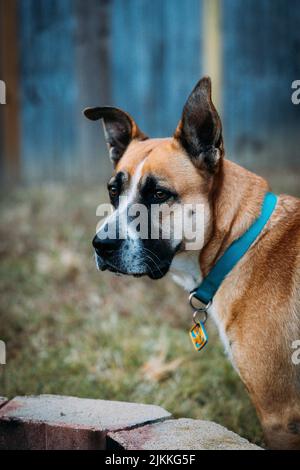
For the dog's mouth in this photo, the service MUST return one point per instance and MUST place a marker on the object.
(152, 270)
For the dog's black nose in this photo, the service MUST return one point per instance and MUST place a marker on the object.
(106, 245)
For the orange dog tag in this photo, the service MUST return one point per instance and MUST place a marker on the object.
(198, 336)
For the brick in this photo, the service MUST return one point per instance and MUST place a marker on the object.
(58, 422)
(179, 434)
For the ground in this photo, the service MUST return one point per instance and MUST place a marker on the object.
(72, 330)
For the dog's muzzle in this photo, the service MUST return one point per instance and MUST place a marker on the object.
(132, 257)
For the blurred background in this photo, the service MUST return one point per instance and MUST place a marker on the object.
(59, 317)
(59, 56)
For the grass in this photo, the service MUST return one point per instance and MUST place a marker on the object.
(72, 330)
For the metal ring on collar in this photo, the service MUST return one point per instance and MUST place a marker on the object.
(198, 308)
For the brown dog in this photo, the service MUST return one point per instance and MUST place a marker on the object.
(257, 307)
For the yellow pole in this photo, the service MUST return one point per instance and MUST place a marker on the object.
(211, 47)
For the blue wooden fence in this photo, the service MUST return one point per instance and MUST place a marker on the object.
(145, 56)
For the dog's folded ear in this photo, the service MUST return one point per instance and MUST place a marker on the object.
(200, 130)
(119, 129)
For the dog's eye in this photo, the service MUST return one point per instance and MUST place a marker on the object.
(161, 195)
(113, 191)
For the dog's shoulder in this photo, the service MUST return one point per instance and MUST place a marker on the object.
(286, 220)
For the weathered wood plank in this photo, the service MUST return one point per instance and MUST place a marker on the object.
(49, 89)
(155, 59)
(9, 113)
(261, 44)
(93, 74)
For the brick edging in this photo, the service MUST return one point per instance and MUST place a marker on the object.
(60, 422)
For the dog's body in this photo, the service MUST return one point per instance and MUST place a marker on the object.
(257, 307)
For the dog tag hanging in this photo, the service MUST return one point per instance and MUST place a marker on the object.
(198, 335)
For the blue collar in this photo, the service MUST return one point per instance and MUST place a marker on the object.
(211, 283)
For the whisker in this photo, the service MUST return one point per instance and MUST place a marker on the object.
(155, 264)
(152, 253)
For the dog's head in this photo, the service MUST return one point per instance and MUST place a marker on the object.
(171, 172)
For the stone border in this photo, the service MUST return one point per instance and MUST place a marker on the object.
(58, 422)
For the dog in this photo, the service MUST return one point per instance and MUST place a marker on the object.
(257, 306)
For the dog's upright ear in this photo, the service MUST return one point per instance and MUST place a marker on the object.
(119, 129)
(200, 130)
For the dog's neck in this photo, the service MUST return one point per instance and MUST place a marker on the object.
(235, 203)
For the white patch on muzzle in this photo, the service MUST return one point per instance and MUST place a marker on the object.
(130, 255)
